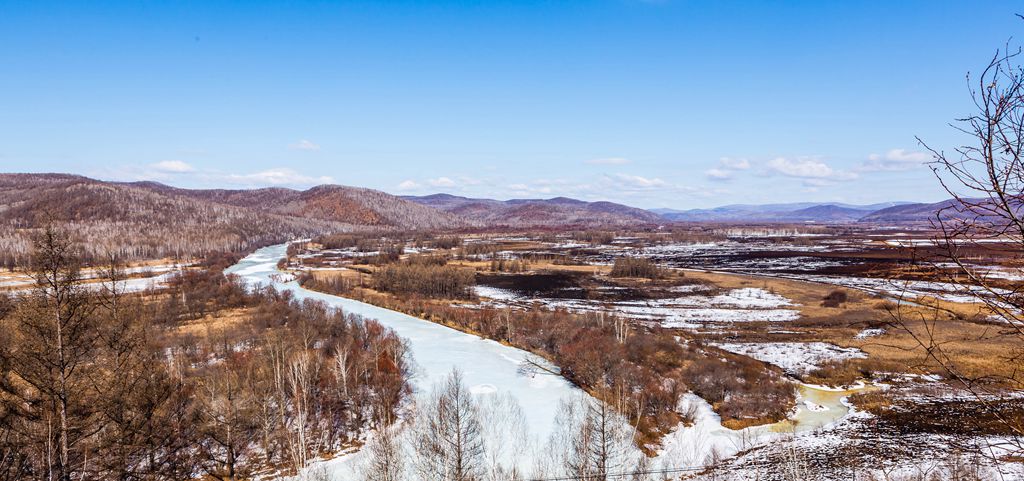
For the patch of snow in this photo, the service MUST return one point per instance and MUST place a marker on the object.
(814, 407)
(794, 357)
(495, 293)
(751, 298)
(870, 332)
(689, 311)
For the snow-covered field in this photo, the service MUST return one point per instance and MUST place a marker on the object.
(794, 357)
(140, 283)
(692, 310)
(148, 276)
(904, 289)
(158, 277)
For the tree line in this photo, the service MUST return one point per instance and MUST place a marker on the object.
(425, 279)
(99, 384)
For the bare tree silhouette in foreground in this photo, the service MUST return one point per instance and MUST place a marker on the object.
(984, 221)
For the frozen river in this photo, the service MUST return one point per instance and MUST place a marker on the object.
(487, 367)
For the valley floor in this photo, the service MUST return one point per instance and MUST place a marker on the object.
(780, 320)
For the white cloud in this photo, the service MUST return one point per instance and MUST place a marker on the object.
(182, 174)
(807, 168)
(811, 170)
(638, 182)
(457, 183)
(604, 187)
(306, 145)
(734, 164)
(609, 161)
(172, 167)
(815, 183)
(277, 177)
(442, 182)
(726, 168)
(718, 174)
(408, 185)
(895, 160)
(804, 167)
(540, 187)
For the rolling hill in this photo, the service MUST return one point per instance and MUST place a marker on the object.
(350, 205)
(558, 211)
(148, 219)
(793, 212)
(983, 210)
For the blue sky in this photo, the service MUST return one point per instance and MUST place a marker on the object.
(652, 103)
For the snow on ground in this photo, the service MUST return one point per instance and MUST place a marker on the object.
(751, 298)
(812, 406)
(794, 357)
(149, 272)
(139, 284)
(134, 284)
(688, 318)
(946, 291)
(870, 332)
(569, 245)
(17, 280)
(688, 311)
(495, 293)
(852, 444)
(689, 288)
(1005, 273)
(706, 440)
(700, 443)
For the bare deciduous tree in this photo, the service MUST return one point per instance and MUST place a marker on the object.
(449, 440)
(593, 442)
(385, 458)
(55, 342)
(985, 219)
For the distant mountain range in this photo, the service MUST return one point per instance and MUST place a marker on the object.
(917, 213)
(794, 212)
(558, 211)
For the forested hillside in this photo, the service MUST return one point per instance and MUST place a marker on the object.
(558, 211)
(353, 205)
(146, 220)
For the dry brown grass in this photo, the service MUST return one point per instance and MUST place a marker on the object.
(974, 347)
(976, 350)
(218, 321)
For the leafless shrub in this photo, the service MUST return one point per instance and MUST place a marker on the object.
(635, 267)
(835, 299)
